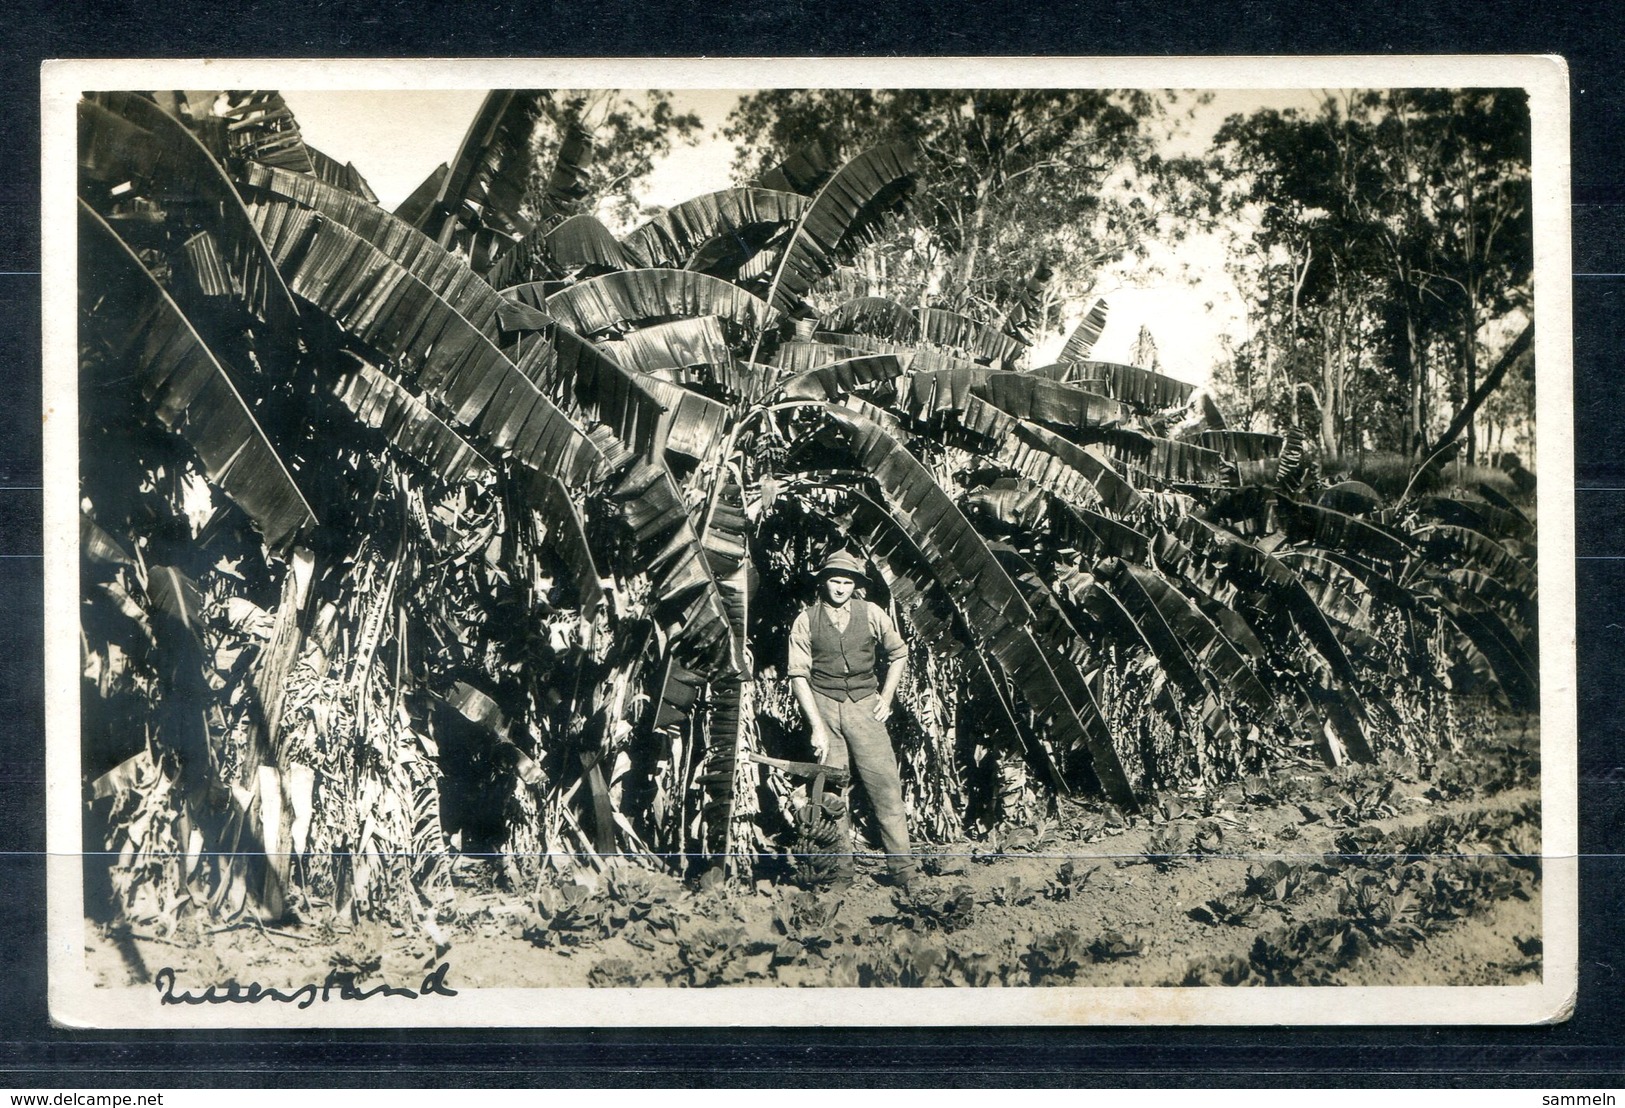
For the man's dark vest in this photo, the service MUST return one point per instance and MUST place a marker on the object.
(843, 663)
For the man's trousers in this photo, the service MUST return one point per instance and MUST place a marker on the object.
(860, 742)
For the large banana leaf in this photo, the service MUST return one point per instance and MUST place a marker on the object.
(638, 297)
(689, 605)
(567, 180)
(567, 535)
(835, 379)
(929, 357)
(799, 357)
(383, 404)
(595, 387)
(976, 340)
(346, 176)
(1443, 543)
(385, 306)
(1515, 668)
(1243, 446)
(1100, 536)
(124, 136)
(487, 179)
(846, 214)
(693, 425)
(806, 169)
(261, 127)
(191, 390)
(746, 217)
(582, 242)
(1039, 401)
(875, 316)
(991, 604)
(1163, 459)
(1333, 530)
(1258, 571)
(414, 210)
(1084, 336)
(1139, 387)
(1059, 465)
(1487, 519)
(447, 275)
(680, 344)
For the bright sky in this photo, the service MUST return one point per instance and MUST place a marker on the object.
(397, 138)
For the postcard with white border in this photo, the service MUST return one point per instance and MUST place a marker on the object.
(907, 541)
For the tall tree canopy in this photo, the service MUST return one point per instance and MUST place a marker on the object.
(1385, 240)
(1011, 181)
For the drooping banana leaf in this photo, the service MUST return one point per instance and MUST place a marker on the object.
(1243, 446)
(875, 316)
(639, 297)
(860, 343)
(835, 379)
(1039, 401)
(191, 390)
(847, 212)
(1162, 459)
(582, 379)
(385, 306)
(1141, 388)
(799, 357)
(929, 357)
(1210, 647)
(978, 341)
(1066, 469)
(582, 242)
(1494, 497)
(1084, 336)
(1101, 536)
(1515, 668)
(447, 275)
(486, 181)
(346, 176)
(1354, 498)
(1018, 506)
(688, 607)
(383, 404)
(746, 217)
(567, 535)
(1476, 589)
(806, 169)
(1268, 574)
(680, 344)
(567, 180)
(414, 210)
(261, 127)
(1446, 544)
(992, 606)
(149, 144)
(1481, 516)
(1324, 527)
(693, 425)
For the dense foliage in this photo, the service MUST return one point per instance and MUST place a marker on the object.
(473, 523)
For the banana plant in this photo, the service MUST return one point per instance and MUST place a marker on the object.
(600, 469)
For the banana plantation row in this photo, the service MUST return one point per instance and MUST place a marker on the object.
(476, 524)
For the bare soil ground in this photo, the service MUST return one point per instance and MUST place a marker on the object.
(1371, 876)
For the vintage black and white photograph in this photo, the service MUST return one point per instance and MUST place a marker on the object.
(1069, 546)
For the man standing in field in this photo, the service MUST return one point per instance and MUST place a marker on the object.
(834, 647)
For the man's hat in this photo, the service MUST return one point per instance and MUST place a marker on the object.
(842, 564)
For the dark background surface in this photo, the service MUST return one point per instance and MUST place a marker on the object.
(1585, 1051)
